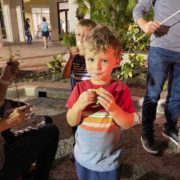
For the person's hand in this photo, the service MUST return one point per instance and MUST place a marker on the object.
(150, 27)
(106, 100)
(81, 48)
(10, 71)
(74, 51)
(86, 98)
(17, 115)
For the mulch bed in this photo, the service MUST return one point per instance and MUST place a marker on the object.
(137, 163)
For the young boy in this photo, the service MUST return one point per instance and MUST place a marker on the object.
(100, 107)
(76, 67)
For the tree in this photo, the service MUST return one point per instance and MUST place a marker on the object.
(115, 13)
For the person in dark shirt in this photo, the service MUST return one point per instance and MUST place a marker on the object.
(27, 32)
(17, 153)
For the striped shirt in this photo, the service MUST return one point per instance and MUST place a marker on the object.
(98, 142)
(78, 70)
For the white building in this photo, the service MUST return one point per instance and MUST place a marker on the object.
(61, 16)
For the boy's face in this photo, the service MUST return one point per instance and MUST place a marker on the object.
(100, 64)
(81, 33)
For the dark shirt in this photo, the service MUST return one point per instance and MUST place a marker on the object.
(26, 26)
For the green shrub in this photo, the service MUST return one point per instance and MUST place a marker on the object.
(132, 71)
(55, 67)
(69, 39)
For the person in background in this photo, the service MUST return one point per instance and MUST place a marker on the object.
(17, 153)
(28, 32)
(100, 107)
(163, 63)
(45, 32)
(1, 37)
(75, 67)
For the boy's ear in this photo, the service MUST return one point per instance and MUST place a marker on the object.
(117, 62)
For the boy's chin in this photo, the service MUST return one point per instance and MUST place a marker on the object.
(99, 78)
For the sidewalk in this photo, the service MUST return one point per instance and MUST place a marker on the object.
(32, 58)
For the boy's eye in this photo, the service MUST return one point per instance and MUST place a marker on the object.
(104, 60)
(90, 59)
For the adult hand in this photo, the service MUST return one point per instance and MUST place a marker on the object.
(150, 27)
(17, 115)
(10, 71)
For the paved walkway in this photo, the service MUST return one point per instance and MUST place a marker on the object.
(32, 58)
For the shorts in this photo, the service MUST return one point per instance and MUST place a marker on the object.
(45, 33)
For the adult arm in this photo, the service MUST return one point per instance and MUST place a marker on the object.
(141, 8)
(15, 117)
(3, 88)
(8, 74)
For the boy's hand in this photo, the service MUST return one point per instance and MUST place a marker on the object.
(74, 51)
(81, 48)
(106, 99)
(86, 98)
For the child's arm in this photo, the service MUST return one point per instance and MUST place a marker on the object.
(122, 118)
(67, 68)
(74, 114)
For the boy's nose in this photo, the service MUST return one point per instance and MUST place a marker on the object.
(81, 38)
(98, 65)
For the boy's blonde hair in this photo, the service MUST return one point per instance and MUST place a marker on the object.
(101, 38)
(87, 23)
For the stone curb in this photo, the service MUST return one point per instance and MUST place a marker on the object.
(63, 93)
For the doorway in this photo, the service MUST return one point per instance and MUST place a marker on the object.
(63, 17)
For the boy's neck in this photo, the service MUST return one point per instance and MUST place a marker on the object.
(100, 82)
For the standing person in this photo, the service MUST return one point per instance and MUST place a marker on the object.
(76, 67)
(1, 37)
(45, 32)
(98, 145)
(17, 153)
(163, 62)
(28, 32)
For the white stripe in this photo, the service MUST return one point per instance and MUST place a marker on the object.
(97, 125)
(97, 115)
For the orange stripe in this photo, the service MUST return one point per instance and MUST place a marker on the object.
(109, 129)
(98, 120)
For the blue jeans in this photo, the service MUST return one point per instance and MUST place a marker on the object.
(29, 37)
(162, 64)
